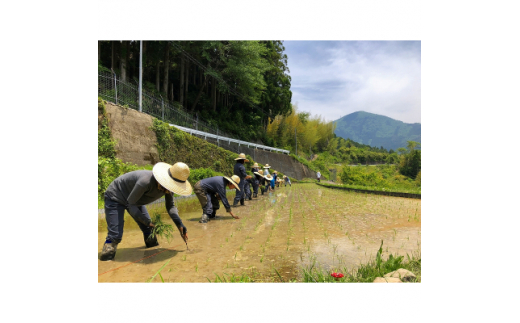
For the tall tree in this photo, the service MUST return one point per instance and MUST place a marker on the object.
(277, 95)
(123, 60)
(166, 68)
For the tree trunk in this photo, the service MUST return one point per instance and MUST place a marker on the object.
(186, 84)
(123, 60)
(181, 78)
(158, 76)
(214, 94)
(113, 58)
(99, 50)
(199, 94)
(166, 69)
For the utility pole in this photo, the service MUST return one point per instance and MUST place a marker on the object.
(141, 76)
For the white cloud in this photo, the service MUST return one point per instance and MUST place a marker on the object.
(333, 79)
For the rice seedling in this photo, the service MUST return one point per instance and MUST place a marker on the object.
(161, 229)
(158, 273)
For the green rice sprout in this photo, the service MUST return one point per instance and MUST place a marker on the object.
(161, 229)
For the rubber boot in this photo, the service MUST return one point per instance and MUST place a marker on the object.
(255, 195)
(204, 218)
(242, 202)
(213, 215)
(151, 242)
(235, 204)
(250, 198)
(109, 251)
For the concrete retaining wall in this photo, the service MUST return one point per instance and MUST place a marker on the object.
(278, 161)
(136, 143)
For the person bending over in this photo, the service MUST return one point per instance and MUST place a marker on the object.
(210, 190)
(132, 191)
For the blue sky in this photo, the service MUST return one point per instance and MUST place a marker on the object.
(335, 78)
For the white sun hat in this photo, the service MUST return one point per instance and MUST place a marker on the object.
(268, 177)
(267, 166)
(234, 180)
(173, 178)
(260, 172)
(242, 156)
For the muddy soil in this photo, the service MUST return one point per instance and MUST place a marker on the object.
(281, 231)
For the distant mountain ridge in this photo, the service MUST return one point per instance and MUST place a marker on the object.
(377, 130)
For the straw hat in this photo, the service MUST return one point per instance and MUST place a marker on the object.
(284, 176)
(259, 173)
(242, 156)
(268, 177)
(234, 180)
(275, 172)
(173, 178)
(256, 165)
(267, 166)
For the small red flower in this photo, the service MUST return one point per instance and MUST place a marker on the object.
(339, 275)
(334, 275)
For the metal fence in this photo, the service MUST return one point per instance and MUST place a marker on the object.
(111, 88)
(229, 140)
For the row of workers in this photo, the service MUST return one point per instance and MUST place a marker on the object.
(133, 190)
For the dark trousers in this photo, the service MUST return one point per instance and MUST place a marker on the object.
(256, 183)
(208, 201)
(240, 193)
(247, 189)
(115, 217)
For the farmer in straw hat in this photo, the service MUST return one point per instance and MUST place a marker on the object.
(261, 180)
(287, 180)
(266, 169)
(255, 181)
(275, 177)
(268, 181)
(210, 190)
(132, 191)
(240, 171)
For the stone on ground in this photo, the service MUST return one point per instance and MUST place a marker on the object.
(403, 274)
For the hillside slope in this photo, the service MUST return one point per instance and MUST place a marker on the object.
(141, 141)
(377, 130)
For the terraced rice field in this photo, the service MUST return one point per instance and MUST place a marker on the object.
(276, 234)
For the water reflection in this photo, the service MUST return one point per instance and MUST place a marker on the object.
(330, 228)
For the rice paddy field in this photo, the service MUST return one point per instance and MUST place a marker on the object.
(277, 236)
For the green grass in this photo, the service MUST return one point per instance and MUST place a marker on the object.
(366, 273)
(379, 178)
(411, 190)
(314, 273)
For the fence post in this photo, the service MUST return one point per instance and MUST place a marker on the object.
(115, 85)
(162, 105)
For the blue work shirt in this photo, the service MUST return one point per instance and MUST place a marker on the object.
(217, 184)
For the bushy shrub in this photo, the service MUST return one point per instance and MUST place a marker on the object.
(110, 169)
(200, 173)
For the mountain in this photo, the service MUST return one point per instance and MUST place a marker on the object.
(376, 130)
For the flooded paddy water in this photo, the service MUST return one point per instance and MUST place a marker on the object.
(277, 232)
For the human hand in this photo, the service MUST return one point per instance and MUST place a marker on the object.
(184, 233)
